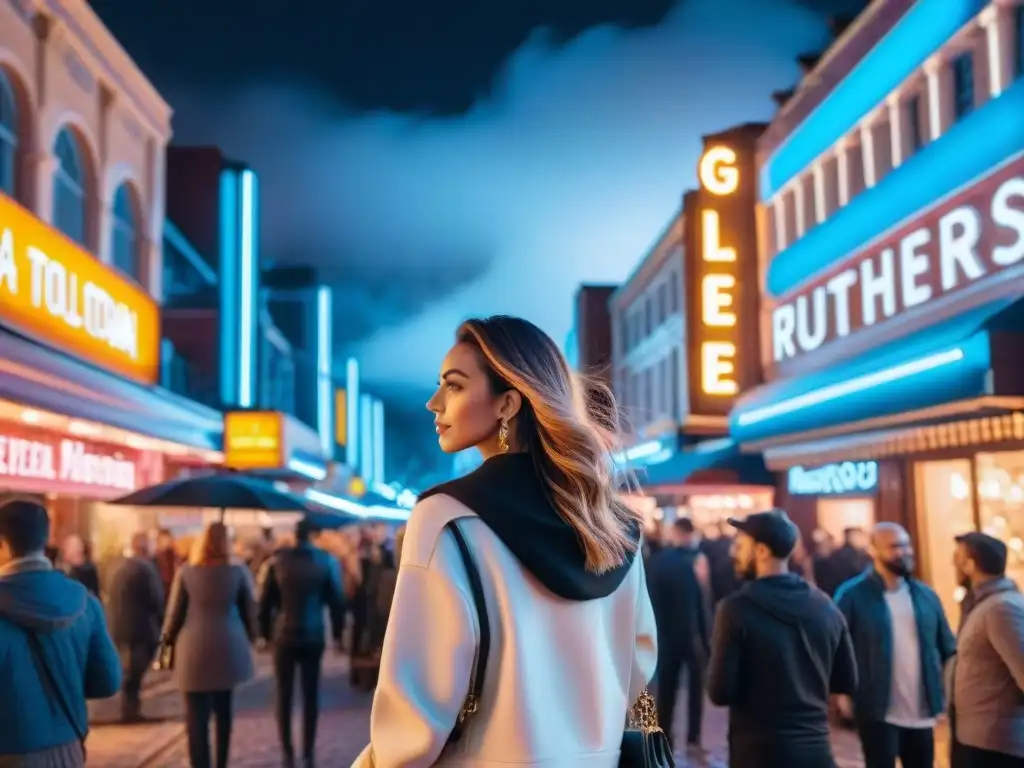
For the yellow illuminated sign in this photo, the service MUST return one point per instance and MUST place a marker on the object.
(718, 175)
(357, 487)
(717, 368)
(717, 299)
(341, 417)
(717, 171)
(254, 440)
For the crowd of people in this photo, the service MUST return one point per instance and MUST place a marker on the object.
(878, 657)
(200, 609)
(531, 614)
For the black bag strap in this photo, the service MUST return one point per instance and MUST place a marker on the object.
(50, 684)
(476, 680)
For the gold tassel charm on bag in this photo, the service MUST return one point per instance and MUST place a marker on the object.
(644, 744)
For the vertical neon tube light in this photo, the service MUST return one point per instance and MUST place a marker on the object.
(352, 401)
(366, 437)
(378, 441)
(247, 287)
(228, 316)
(324, 344)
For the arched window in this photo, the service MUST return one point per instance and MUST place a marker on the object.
(125, 238)
(8, 136)
(69, 203)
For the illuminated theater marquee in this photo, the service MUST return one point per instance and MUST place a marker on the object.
(718, 176)
(949, 250)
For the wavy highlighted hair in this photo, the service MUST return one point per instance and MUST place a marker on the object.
(570, 426)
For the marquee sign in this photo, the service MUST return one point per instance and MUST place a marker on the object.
(38, 461)
(254, 440)
(847, 478)
(721, 273)
(53, 290)
(955, 253)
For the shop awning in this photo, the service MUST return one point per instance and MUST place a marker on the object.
(717, 460)
(45, 379)
(947, 363)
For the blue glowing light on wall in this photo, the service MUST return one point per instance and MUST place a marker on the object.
(352, 417)
(942, 365)
(249, 270)
(229, 280)
(366, 437)
(325, 371)
(378, 441)
(971, 149)
(922, 31)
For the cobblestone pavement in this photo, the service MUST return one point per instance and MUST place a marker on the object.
(344, 731)
(344, 726)
(112, 745)
(715, 732)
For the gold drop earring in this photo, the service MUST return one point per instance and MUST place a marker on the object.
(503, 437)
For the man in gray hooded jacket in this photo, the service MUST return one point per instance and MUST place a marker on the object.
(54, 648)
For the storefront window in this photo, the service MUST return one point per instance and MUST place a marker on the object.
(944, 510)
(1001, 504)
(836, 515)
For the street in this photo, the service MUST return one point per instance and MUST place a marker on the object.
(344, 729)
(344, 726)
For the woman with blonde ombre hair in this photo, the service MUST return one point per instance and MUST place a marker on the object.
(208, 634)
(563, 627)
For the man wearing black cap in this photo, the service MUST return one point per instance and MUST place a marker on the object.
(780, 649)
(988, 677)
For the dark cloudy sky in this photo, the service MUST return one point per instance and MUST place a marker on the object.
(458, 157)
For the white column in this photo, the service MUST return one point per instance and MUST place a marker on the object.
(843, 172)
(938, 76)
(820, 200)
(800, 204)
(867, 153)
(152, 267)
(897, 129)
(782, 237)
(105, 240)
(997, 21)
(44, 166)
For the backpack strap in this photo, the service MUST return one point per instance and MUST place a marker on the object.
(51, 686)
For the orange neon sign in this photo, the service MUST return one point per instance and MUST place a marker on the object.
(56, 292)
(718, 175)
(254, 440)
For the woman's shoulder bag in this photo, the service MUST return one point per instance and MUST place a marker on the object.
(476, 679)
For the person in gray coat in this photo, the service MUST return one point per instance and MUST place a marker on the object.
(988, 676)
(210, 625)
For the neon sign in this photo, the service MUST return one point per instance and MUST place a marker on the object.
(38, 461)
(834, 479)
(720, 176)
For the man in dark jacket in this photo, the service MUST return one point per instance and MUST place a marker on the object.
(295, 586)
(847, 562)
(678, 583)
(136, 612)
(49, 626)
(902, 642)
(780, 648)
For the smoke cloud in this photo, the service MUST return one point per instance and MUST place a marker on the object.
(565, 174)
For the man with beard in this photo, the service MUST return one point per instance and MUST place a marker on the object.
(902, 642)
(780, 648)
(987, 711)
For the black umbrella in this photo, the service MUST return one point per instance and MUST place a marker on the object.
(228, 491)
